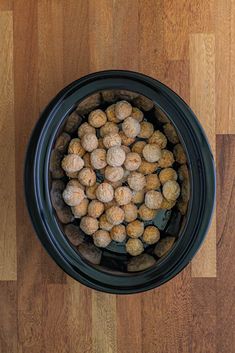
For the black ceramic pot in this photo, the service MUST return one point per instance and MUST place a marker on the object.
(202, 183)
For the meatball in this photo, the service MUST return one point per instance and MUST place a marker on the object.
(87, 177)
(166, 160)
(159, 139)
(118, 233)
(167, 204)
(130, 211)
(115, 156)
(135, 229)
(146, 214)
(109, 128)
(95, 209)
(104, 192)
(138, 147)
(97, 118)
(153, 199)
(131, 127)
(115, 215)
(171, 133)
(100, 143)
(179, 154)
(123, 109)
(89, 142)
(72, 163)
(81, 209)
(114, 174)
(143, 103)
(134, 247)
(146, 130)
(137, 114)
(151, 235)
(72, 123)
(98, 158)
(62, 142)
(102, 238)
(87, 160)
(152, 182)
(91, 191)
(110, 112)
(167, 174)
(111, 140)
(75, 182)
(152, 153)
(126, 141)
(132, 161)
(123, 195)
(147, 167)
(126, 149)
(73, 195)
(84, 129)
(136, 181)
(89, 225)
(75, 147)
(171, 190)
(138, 196)
(104, 224)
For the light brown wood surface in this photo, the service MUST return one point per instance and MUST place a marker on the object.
(46, 44)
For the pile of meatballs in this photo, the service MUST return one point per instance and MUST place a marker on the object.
(119, 175)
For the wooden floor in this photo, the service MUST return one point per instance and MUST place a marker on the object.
(44, 45)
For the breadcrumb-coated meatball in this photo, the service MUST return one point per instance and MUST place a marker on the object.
(73, 175)
(132, 161)
(163, 246)
(146, 214)
(109, 95)
(123, 195)
(136, 181)
(104, 192)
(138, 196)
(72, 163)
(131, 127)
(134, 247)
(138, 147)
(137, 114)
(75, 182)
(167, 174)
(110, 204)
(98, 158)
(183, 172)
(146, 130)
(171, 190)
(182, 206)
(166, 160)
(153, 199)
(109, 128)
(115, 184)
(87, 160)
(62, 142)
(126, 141)
(135, 229)
(91, 191)
(75, 147)
(114, 174)
(118, 233)
(87, 177)
(143, 103)
(167, 204)
(115, 215)
(111, 140)
(89, 142)
(84, 129)
(159, 139)
(152, 182)
(89, 225)
(81, 209)
(147, 167)
(104, 224)
(152, 153)
(161, 117)
(126, 149)
(151, 235)
(72, 123)
(73, 195)
(102, 238)
(110, 112)
(100, 143)
(171, 133)
(179, 154)
(88, 104)
(97, 118)
(123, 109)
(95, 209)
(115, 156)
(140, 263)
(130, 211)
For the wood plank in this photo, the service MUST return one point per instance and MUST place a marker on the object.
(166, 316)
(151, 38)
(8, 250)
(26, 113)
(204, 315)
(225, 338)
(75, 39)
(104, 325)
(225, 66)
(202, 16)
(176, 26)
(129, 323)
(8, 315)
(202, 100)
(177, 77)
(6, 5)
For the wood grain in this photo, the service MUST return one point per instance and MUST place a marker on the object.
(8, 270)
(202, 84)
(225, 338)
